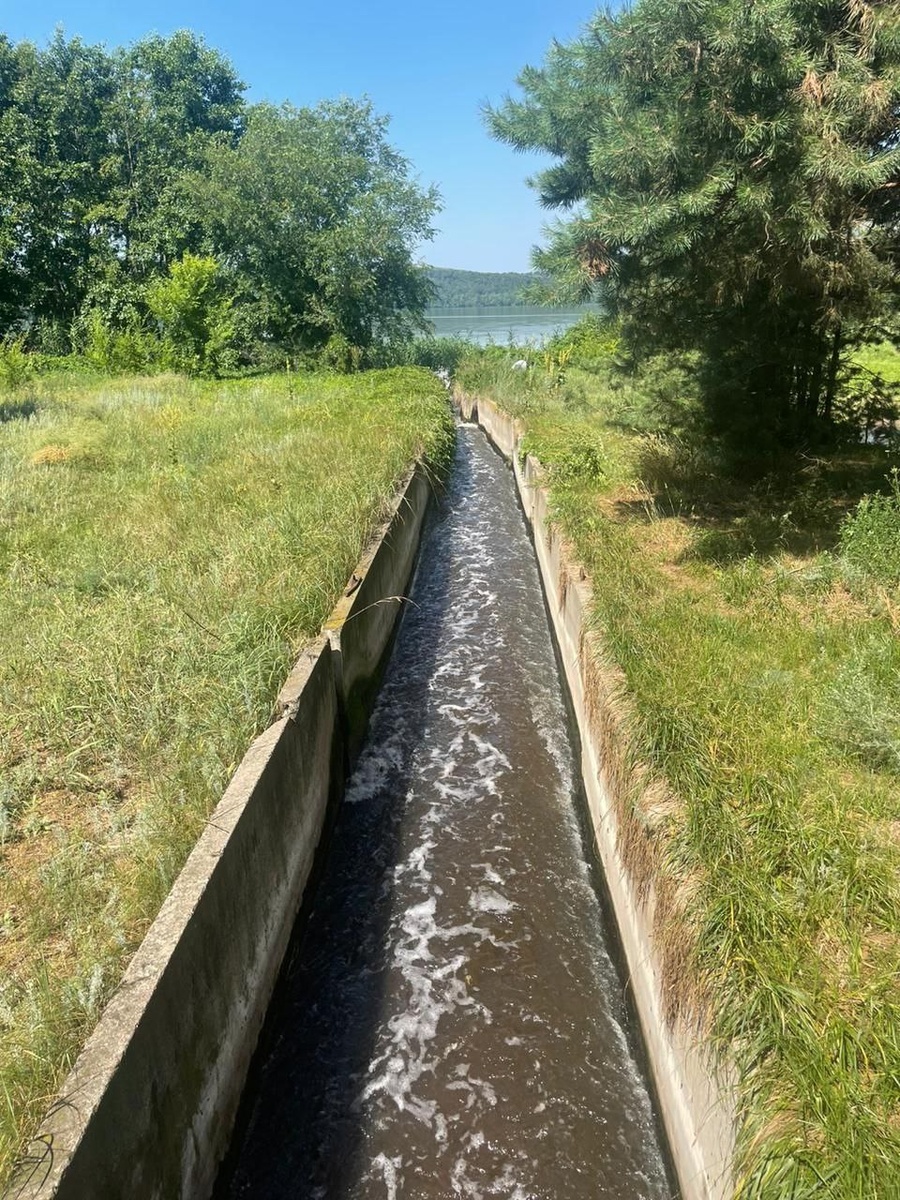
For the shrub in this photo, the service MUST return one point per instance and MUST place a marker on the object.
(870, 536)
(194, 316)
(436, 353)
(119, 351)
(339, 354)
(592, 343)
(16, 367)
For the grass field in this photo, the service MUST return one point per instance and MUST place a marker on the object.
(165, 549)
(754, 629)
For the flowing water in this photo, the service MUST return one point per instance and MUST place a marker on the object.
(451, 1024)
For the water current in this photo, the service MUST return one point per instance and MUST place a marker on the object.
(451, 1022)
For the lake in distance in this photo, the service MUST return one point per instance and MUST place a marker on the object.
(527, 324)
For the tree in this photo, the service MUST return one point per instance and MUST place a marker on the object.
(174, 97)
(316, 217)
(122, 174)
(93, 151)
(731, 168)
(51, 168)
(194, 316)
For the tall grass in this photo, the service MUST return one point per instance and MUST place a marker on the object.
(165, 549)
(755, 627)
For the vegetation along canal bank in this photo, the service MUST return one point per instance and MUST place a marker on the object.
(167, 547)
(722, 457)
(744, 652)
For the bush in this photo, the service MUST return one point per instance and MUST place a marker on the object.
(194, 315)
(119, 351)
(870, 536)
(438, 353)
(16, 367)
(339, 354)
(591, 344)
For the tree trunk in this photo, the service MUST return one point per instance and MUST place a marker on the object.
(815, 387)
(834, 363)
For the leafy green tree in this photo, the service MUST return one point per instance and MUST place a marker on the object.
(94, 149)
(52, 156)
(194, 315)
(317, 216)
(122, 173)
(731, 171)
(173, 97)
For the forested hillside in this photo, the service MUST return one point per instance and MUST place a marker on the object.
(489, 289)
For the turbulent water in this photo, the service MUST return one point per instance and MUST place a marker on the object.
(450, 1023)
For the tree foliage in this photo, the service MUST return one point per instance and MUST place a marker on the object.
(485, 289)
(730, 170)
(314, 214)
(122, 172)
(195, 318)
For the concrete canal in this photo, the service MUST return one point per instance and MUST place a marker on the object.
(450, 1021)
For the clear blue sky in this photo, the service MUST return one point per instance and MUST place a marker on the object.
(429, 66)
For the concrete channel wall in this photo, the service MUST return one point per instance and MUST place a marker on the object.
(696, 1107)
(147, 1111)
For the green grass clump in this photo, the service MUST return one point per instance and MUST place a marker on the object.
(870, 536)
(755, 628)
(166, 547)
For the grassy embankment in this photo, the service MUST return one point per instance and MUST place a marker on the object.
(751, 634)
(165, 549)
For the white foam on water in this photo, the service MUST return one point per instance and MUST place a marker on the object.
(506, 1184)
(436, 986)
(487, 900)
(462, 767)
(491, 875)
(389, 1168)
(417, 862)
(486, 1090)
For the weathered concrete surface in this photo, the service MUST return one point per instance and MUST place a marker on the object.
(697, 1110)
(504, 431)
(362, 624)
(147, 1111)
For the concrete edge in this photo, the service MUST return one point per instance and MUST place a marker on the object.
(696, 1101)
(148, 1108)
(362, 624)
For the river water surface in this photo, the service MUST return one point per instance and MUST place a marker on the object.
(450, 1023)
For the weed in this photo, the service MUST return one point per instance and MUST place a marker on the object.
(862, 708)
(870, 537)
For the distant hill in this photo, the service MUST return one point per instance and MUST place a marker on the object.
(485, 289)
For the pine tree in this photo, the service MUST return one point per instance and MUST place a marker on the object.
(733, 170)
